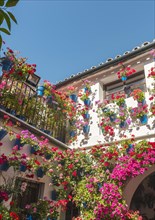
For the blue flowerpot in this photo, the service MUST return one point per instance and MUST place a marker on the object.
(130, 147)
(122, 124)
(48, 156)
(6, 64)
(34, 149)
(72, 133)
(84, 204)
(73, 97)
(86, 116)
(18, 143)
(49, 100)
(3, 133)
(22, 168)
(112, 117)
(99, 185)
(143, 102)
(39, 172)
(40, 90)
(29, 217)
(87, 102)
(124, 78)
(87, 90)
(4, 166)
(144, 119)
(123, 105)
(86, 129)
(54, 195)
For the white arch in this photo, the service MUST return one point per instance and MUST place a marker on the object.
(133, 183)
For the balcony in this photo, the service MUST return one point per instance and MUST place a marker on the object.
(20, 99)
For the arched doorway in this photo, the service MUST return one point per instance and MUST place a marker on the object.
(144, 198)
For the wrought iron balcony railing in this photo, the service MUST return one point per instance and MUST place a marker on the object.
(21, 100)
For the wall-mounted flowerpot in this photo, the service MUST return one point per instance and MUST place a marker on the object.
(99, 185)
(72, 133)
(54, 195)
(34, 149)
(130, 147)
(143, 102)
(122, 124)
(29, 217)
(48, 156)
(87, 102)
(87, 90)
(123, 78)
(144, 119)
(3, 133)
(23, 118)
(22, 167)
(40, 173)
(86, 129)
(85, 205)
(73, 97)
(49, 101)
(4, 166)
(18, 143)
(122, 105)
(112, 117)
(40, 91)
(6, 64)
(86, 115)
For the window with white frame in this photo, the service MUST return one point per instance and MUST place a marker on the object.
(135, 81)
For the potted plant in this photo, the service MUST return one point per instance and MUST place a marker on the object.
(138, 95)
(119, 99)
(140, 112)
(124, 72)
(4, 163)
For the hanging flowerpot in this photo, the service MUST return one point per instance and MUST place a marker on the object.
(86, 115)
(85, 205)
(3, 133)
(54, 195)
(144, 119)
(86, 129)
(123, 78)
(112, 117)
(4, 166)
(18, 143)
(40, 90)
(87, 102)
(22, 167)
(34, 149)
(6, 64)
(122, 124)
(72, 133)
(40, 173)
(73, 97)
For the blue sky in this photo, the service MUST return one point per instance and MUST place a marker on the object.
(67, 37)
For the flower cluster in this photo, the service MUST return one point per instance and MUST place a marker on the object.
(125, 71)
(138, 95)
(19, 69)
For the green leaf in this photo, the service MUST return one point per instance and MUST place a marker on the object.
(7, 18)
(11, 3)
(4, 30)
(1, 17)
(1, 2)
(0, 42)
(12, 17)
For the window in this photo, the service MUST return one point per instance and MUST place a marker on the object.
(135, 81)
(31, 194)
